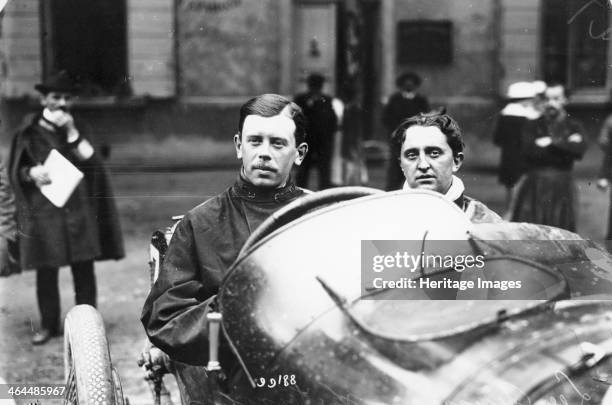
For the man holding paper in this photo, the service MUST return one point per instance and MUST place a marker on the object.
(65, 211)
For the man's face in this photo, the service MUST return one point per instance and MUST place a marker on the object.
(427, 159)
(268, 150)
(555, 100)
(408, 85)
(56, 101)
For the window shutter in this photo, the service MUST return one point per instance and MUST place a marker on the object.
(21, 65)
(151, 55)
(520, 34)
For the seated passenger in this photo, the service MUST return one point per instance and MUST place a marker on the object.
(431, 152)
(270, 140)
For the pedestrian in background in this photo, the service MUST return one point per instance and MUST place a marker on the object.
(508, 132)
(321, 128)
(404, 103)
(551, 145)
(348, 164)
(85, 228)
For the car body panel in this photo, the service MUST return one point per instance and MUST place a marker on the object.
(281, 320)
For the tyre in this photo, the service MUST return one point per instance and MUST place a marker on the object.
(90, 377)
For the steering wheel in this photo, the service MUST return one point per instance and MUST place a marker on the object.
(302, 206)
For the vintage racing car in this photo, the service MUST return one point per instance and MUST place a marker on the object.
(299, 311)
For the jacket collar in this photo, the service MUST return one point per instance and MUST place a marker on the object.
(242, 188)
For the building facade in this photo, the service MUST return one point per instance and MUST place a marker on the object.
(184, 66)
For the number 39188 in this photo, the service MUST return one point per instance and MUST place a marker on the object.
(281, 380)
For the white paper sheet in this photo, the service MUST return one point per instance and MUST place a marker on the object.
(65, 177)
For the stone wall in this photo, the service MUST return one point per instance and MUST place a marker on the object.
(475, 46)
(228, 48)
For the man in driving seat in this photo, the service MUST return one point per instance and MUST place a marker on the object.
(431, 152)
(270, 140)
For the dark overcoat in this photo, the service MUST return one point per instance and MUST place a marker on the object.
(85, 228)
(508, 136)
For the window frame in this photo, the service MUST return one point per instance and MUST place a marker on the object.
(581, 95)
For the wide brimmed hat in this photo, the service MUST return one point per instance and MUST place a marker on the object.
(521, 90)
(60, 82)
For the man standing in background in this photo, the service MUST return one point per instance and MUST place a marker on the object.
(322, 124)
(551, 144)
(404, 103)
(84, 229)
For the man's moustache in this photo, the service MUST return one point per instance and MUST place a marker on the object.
(268, 168)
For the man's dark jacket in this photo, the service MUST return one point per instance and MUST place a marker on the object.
(203, 247)
(322, 124)
(86, 228)
(561, 153)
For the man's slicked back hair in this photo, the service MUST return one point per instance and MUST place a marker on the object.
(444, 122)
(269, 105)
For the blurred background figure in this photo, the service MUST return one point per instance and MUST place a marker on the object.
(605, 174)
(348, 163)
(85, 228)
(507, 134)
(404, 103)
(551, 144)
(320, 131)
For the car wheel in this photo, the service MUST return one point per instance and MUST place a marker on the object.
(90, 377)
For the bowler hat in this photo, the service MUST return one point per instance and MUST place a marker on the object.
(315, 80)
(59, 82)
(415, 78)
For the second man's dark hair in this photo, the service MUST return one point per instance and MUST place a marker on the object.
(269, 105)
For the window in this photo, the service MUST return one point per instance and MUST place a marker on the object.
(575, 42)
(425, 42)
(87, 39)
